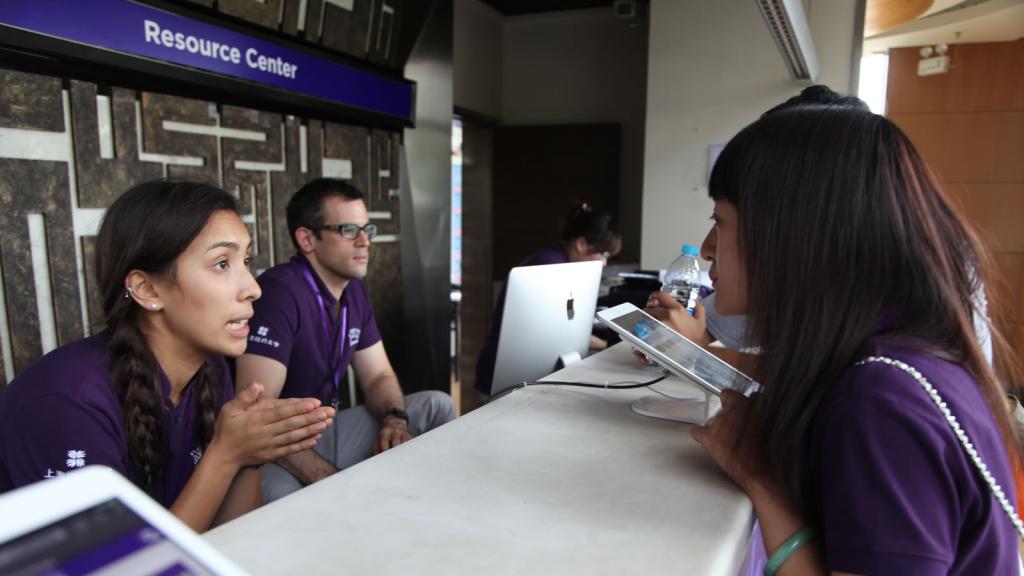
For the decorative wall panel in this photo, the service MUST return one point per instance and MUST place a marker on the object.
(69, 148)
(38, 262)
(365, 29)
(105, 169)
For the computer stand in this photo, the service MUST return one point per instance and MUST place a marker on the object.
(694, 410)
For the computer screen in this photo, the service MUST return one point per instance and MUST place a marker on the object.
(94, 521)
(107, 538)
(679, 355)
(549, 312)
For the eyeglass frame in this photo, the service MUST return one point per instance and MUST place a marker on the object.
(339, 228)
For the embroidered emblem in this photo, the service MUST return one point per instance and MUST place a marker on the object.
(353, 336)
(260, 337)
(76, 459)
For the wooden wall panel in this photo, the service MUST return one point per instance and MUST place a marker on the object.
(987, 77)
(998, 205)
(971, 146)
(1005, 290)
(969, 126)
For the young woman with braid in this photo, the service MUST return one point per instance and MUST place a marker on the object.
(151, 396)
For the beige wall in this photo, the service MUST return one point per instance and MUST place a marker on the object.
(712, 69)
(576, 67)
(969, 126)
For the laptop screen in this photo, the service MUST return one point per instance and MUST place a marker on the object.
(108, 539)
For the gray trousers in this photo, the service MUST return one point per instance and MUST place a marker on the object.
(349, 439)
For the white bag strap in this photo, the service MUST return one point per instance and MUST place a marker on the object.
(960, 434)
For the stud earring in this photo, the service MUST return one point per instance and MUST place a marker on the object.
(127, 292)
(153, 306)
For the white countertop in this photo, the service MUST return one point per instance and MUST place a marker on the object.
(546, 480)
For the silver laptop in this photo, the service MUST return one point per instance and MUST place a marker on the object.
(548, 317)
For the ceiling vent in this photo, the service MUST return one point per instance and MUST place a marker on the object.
(788, 25)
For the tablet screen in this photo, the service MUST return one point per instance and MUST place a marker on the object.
(696, 363)
(108, 538)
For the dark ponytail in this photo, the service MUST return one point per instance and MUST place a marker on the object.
(146, 229)
(598, 228)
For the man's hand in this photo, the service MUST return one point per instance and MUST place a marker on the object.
(393, 431)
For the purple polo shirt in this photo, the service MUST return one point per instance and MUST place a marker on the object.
(288, 325)
(61, 413)
(896, 492)
(554, 254)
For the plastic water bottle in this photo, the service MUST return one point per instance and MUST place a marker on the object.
(682, 279)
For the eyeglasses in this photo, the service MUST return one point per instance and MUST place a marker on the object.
(349, 231)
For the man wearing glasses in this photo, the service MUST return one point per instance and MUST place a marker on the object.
(314, 320)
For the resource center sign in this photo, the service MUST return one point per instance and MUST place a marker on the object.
(140, 30)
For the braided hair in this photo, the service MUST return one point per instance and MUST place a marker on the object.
(146, 229)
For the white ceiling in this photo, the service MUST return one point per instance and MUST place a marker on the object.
(987, 21)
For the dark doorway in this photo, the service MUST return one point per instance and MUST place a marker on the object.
(540, 173)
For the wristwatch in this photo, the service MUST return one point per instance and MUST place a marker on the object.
(397, 413)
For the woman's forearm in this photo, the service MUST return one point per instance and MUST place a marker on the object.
(779, 521)
(244, 495)
(205, 491)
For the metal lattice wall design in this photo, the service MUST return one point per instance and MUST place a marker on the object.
(365, 29)
(69, 148)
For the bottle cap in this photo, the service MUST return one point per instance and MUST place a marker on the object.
(691, 250)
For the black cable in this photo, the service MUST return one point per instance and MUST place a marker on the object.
(625, 385)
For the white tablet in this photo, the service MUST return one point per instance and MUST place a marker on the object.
(94, 521)
(674, 351)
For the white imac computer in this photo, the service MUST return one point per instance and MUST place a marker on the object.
(548, 317)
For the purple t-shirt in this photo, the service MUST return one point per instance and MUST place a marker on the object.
(290, 325)
(62, 413)
(554, 254)
(896, 492)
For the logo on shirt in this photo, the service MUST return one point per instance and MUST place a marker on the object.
(196, 455)
(260, 337)
(72, 459)
(51, 473)
(353, 336)
(76, 459)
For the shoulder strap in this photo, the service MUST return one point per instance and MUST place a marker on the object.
(961, 435)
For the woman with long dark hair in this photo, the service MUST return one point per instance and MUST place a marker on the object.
(856, 277)
(151, 396)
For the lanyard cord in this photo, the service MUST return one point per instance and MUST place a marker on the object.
(333, 361)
